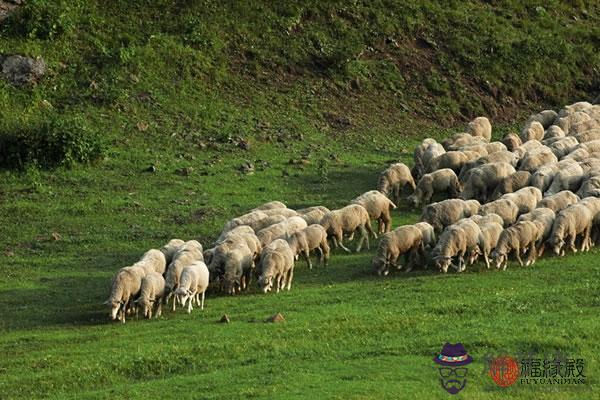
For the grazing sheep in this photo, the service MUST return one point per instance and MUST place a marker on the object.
(432, 151)
(286, 212)
(532, 131)
(152, 261)
(526, 198)
(460, 140)
(488, 238)
(269, 206)
(125, 288)
(544, 218)
(240, 230)
(590, 164)
(482, 181)
(512, 141)
(276, 266)
(584, 126)
(484, 219)
(592, 146)
(448, 212)
(559, 201)
(348, 220)
(593, 204)
(406, 239)
(535, 158)
(574, 108)
(238, 265)
(577, 155)
(472, 233)
(395, 178)
(546, 118)
(590, 186)
(429, 238)
(379, 208)
(277, 231)
(567, 121)
(566, 178)
(189, 253)
(574, 220)
(313, 237)
(251, 219)
(542, 178)
(313, 215)
(451, 159)
(495, 147)
(480, 149)
(554, 131)
(443, 180)
(512, 183)
(171, 248)
(519, 239)
(563, 146)
(152, 292)
(267, 222)
(480, 126)
(193, 285)
(588, 136)
(506, 209)
(452, 243)
(499, 156)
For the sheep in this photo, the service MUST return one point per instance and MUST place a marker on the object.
(590, 164)
(420, 151)
(452, 243)
(482, 181)
(276, 266)
(193, 285)
(189, 253)
(535, 158)
(313, 215)
(573, 108)
(592, 146)
(506, 209)
(480, 126)
(429, 238)
(480, 149)
(567, 121)
(484, 219)
(488, 238)
(451, 159)
(269, 206)
(584, 126)
(171, 248)
(590, 186)
(593, 204)
(512, 183)
(251, 219)
(519, 239)
(448, 212)
(563, 146)
(395, 178)
(588, 136)
(406, 239)
(546, 118)
(313, 237)
(240, 230)
(500, 156)
(152, 261)
(152, 291)
(526, 198)
(542, 178)
(574, 220)
(348, 220)
(567, 178)
(285, 228)
(577, 155)
(554, 131)
(533, 130)
(286, 212)
(238, 265)
(379, 208)
(543, 217)
(472, 233)
(559, 201)
(460, 140)
(512, 141)
(125, 288)
(242, 236)
(432, 151)
(495, 147)
(443, 180)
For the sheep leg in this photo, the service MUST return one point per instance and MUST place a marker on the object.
(158, 309)
(572, 238)
(289, 278)
(189, 307)
(363, 237)
(306, 255)
(325, 249)
(370, 230)
(340, 237)
(202, 300)
(518, 255)
(486, 259)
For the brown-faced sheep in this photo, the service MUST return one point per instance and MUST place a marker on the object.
(482, 181)
(313, 237)
(480, 126)
(512, 141)
(406, 239)
(532, 131)
(125, 288)
(276, 266)
(572, 221)
(559, 201)
(151, 296)
(443, 180)
(394, 179)
(535, 158)
(348, 220)
(526, 198)
(193, 285)
(379, 208)
(512, 183)
(519, 238)
(544, 218)
(506, 209)
(566, 178)
(448, 212)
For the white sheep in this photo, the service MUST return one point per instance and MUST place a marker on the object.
(189, 253)
(269, 206)
(193, 284)
(407, 240)
(559, 201)
(574, 220)
(171, 248)
(152, 261)
(526, 198)
(480, 126)
(313, 237)
(125, 288)
(313, 215)
(280, 230)
(394, 179)
(151, 294)
(379, 208)
(348, 220)
(276, 266)
(443, 180)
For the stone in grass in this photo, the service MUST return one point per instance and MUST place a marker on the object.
(224, 319)
(247, 168)
(20, 70)
(276, 318)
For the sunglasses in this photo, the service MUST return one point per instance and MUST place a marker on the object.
(447, 372)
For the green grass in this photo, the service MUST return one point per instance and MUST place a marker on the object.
(348, 86)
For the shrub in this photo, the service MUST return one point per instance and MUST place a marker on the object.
(49, 141)
(44, 19)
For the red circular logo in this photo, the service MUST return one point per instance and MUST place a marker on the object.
(504, 371)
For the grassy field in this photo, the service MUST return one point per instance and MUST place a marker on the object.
(325, 95)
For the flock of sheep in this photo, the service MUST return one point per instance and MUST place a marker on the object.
(515, 196)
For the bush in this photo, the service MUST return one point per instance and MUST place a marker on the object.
(49, 141)
(44, 19)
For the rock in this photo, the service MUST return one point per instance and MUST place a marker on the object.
(276, 318)
(56, 236)
(8, 7)
(247, 168)
(225, 319)
(244, 144)
(20, 70)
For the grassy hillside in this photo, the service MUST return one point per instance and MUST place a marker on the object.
(319, 97)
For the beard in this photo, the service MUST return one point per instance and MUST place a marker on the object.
(453, 386)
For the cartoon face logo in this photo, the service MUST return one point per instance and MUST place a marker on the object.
(452, 361)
